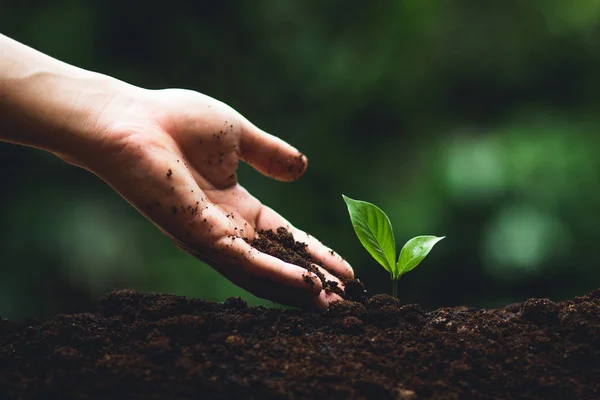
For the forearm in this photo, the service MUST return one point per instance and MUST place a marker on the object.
(48, 104)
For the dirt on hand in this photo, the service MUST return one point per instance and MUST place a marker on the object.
(281, 244)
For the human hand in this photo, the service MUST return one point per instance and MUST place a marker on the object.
(173, 154)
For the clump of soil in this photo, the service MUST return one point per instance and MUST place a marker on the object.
(152, 346)
(281, 244)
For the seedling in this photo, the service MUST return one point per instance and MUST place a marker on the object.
(374, 230)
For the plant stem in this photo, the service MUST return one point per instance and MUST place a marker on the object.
(395, 288)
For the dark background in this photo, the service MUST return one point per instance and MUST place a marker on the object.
(474, 120)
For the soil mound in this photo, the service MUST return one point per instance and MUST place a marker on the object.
(153, 346)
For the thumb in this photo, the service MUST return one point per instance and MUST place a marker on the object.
(270, 155)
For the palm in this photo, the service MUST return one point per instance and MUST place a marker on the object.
(179, 169)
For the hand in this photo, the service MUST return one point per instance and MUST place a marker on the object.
(173, 154)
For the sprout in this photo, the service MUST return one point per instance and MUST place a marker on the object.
(374, 230)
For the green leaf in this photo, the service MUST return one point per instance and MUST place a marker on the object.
(413, 252)
(374, 231)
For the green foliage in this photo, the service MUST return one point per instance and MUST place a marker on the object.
(374, 230)
(413, 252)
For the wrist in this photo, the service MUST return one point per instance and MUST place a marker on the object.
(73, 114)
(51, 105)
(95, 102)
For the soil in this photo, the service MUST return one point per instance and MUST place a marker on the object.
(156, 346)
(281, 244)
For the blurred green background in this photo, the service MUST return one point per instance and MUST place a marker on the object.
(470, 119)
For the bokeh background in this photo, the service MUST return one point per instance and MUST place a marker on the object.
(470, 119)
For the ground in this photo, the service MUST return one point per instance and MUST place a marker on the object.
(158, 346)
(152, 346)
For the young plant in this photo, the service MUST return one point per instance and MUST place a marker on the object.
(374, 230)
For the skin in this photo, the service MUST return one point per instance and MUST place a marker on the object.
(173, 155)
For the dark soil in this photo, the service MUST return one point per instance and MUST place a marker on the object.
(153, 346)
(281, 244)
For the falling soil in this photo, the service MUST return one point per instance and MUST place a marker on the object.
(154, 346)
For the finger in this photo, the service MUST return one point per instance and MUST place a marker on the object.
(324, 255)
(269, 219)
(328, 298)
(328, 277)
(237, 256)
(270, 155)
(284, 295)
